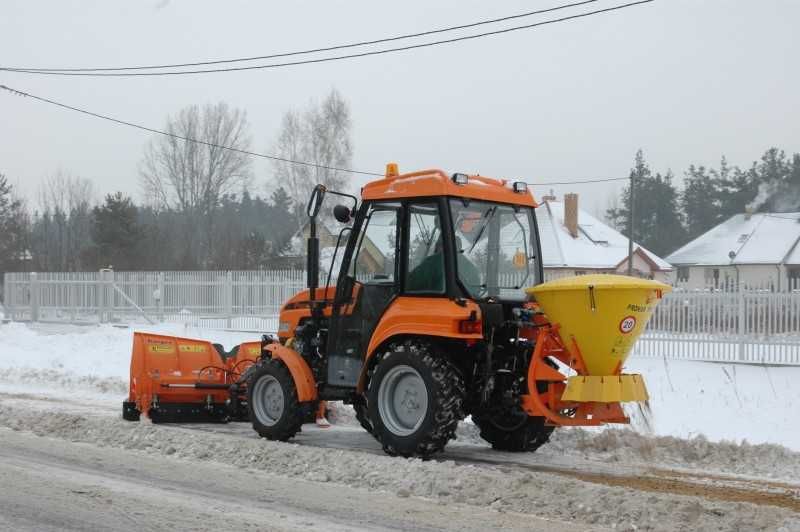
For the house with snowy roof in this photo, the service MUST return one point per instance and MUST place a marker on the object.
(576, 243)
(757, 250)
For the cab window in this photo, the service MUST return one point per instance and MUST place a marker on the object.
(425, 261)
(377, 246)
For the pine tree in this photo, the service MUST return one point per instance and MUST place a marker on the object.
(13, 229)
(283, 226)
(700, 201)
(736, 188)
(116, 233)
(657, 223)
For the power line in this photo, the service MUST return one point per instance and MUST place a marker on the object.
(310, 51)
(334, 58)
(181, 137)
(246, 152)
(600, 180)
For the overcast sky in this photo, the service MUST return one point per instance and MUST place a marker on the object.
(685, 80)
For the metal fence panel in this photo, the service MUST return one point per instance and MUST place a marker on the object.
(734, 324)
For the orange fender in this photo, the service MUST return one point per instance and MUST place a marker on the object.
(301, 373)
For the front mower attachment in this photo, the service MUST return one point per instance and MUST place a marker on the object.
(177, 379)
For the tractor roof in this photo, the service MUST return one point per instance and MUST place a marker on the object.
(435, 182)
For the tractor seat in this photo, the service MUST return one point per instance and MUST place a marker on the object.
(225, 355)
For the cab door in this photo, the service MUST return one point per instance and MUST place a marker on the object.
(368, 282)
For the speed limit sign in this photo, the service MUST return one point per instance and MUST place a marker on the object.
(627, 324)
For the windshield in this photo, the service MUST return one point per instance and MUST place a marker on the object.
(496, 248)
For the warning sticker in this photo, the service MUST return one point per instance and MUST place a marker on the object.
(191, 348)
(254, 350)
(627, 324)
(155, 346)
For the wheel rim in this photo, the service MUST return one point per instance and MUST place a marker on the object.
(268, 401)
(402, 400)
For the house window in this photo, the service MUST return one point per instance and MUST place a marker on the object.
(683, 274)
(712, 276)
(793, 273)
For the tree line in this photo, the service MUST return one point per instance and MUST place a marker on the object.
(667, 217)
(200, 208)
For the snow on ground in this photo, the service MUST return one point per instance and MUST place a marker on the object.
(72, 363)
(509, 489)
(757, 404)
(734, 402)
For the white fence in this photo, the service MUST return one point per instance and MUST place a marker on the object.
(244, 300)
(747, 325)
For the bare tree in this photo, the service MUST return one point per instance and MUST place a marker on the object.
(63, 228)
(64, 192)
(321, 136)
(192, 177)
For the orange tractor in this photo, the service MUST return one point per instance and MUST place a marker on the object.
(429, 320)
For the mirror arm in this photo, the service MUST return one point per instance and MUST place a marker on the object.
(345, 195)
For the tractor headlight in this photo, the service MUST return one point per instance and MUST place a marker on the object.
(520, 186)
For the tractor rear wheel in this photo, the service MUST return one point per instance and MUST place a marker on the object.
(415, 400)
(513, 431)
(272, 401)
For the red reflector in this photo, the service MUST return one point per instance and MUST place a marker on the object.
(470, 327)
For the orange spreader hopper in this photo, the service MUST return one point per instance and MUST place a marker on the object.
(181, 379)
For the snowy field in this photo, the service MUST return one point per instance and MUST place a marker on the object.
(736, 403)
(673, 471)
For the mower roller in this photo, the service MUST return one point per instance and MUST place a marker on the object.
(438, 311)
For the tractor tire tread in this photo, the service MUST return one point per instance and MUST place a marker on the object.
(448, 402)
(293, 414)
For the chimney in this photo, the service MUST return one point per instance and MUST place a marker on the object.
(748, 212)
(549, 197)
(571, 214)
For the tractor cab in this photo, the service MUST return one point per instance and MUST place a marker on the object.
(430, 249)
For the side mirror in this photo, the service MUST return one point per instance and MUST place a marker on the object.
(342, 214)
(315, 202)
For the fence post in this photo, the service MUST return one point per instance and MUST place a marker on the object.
(103, 288)
(160, 296)
(8, 297)
(34, 296)
(742, 322)
(229, 298)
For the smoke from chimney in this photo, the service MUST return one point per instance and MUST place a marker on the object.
(571, 214)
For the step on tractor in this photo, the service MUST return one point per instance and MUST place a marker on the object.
(433, 308)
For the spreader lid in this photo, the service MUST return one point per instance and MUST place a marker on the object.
(598, 281)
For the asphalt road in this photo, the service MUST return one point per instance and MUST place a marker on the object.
(51, 484)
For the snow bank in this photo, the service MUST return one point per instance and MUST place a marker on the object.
(506, 489)
(736, 403)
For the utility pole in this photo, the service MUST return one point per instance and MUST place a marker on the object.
(631, 214)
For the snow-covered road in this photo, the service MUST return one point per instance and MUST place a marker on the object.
(61, 390)
(60, 485)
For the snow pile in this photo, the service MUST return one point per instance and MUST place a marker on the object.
(624, 446)
(506, 489)
(729, 402)
(733, 402)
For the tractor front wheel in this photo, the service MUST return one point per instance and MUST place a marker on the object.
(513, 430)
(272, 401)
(415, 400)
